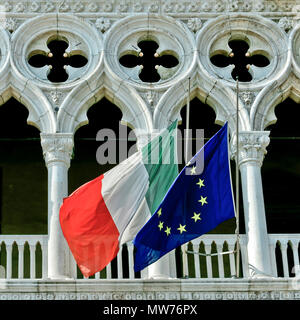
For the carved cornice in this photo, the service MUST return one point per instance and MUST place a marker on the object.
(177, 289)
(57, 147)
(252, 146)
(186, 8)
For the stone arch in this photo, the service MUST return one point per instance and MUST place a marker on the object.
(5, 52)
(262, 35)
(40, 111)
(217, 96)
(170, 34)
(262, 113)
(73, 112)
(34, 36)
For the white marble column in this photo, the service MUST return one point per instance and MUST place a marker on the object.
(57, 151)
(252, 148)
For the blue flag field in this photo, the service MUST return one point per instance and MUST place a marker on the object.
(195, 204)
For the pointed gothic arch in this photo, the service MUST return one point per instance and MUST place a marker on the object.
(40, 112)
(73, 112)
(218, 97)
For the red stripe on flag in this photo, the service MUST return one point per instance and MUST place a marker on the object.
(88, 227)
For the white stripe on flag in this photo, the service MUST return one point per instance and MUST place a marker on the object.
(123, 189)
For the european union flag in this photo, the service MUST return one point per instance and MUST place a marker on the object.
(198, 200)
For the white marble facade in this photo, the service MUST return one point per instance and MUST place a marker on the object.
(192, 31)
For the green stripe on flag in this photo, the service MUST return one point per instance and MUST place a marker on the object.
(160, 160)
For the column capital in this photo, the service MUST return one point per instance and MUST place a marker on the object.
(57, 147)
(252, 146)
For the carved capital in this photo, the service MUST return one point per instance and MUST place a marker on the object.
(57, 147)
(252, 146)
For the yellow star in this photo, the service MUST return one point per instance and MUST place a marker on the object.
(193, 170)
(160, 225)
(159, 212)
(203, 200)
(201, 183)
(168, 231)
(196, 216)
(181, 228)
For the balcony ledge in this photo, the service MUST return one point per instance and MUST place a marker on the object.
(151, 289)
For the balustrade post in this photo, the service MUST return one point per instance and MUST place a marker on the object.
(295, 252)
(57, 150)
(283, 249)
(32, 250)
(9, 260)
(252, 148)
(20, 261)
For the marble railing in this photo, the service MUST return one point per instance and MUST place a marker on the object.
(210, 256)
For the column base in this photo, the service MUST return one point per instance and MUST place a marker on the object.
(258, 274)
(60, 277)
(160, 277)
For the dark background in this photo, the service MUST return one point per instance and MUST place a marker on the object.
(23, 175)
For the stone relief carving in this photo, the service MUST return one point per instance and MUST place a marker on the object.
(169, 7)
(159, 295)
(194, 24)
(252, 146)
(286, 24)
(103, 24)
(57, 147)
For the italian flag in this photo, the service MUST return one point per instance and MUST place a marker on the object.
(98, 217)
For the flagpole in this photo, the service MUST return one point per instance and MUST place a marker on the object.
(187, 129)
(237, 183)
(187, 138)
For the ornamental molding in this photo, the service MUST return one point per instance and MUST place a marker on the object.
(252, 146)
(192, 289)
(151, 295)
(57, 148)
(176, 7)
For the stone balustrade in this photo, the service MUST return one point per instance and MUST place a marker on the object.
(25, 257)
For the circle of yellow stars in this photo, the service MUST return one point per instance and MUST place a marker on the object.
(196, 216)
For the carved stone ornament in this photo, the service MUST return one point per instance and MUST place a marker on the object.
(102, 24)
(170, 36)
(81, 39)
(286, 24)
(10, 24)
(57, 147)
(247, 97)
(260, 42)
(194, 24)
(252, 146)
(168, 6)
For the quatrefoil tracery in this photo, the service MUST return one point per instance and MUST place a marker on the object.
(57, 59)
(241, 59)
(149, 60)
